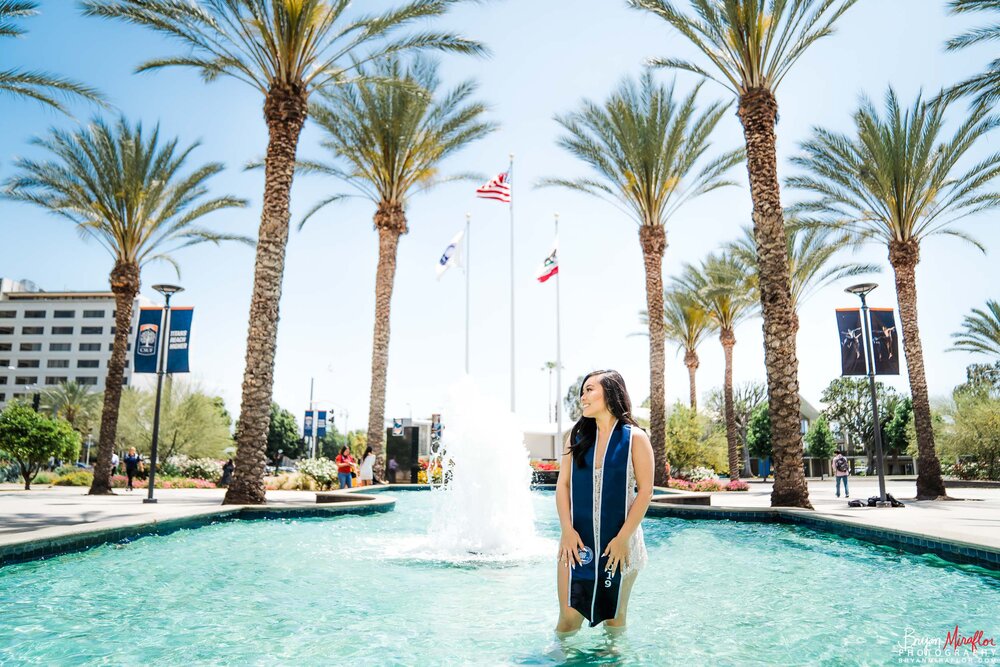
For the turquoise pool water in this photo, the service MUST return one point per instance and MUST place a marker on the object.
(344, 591)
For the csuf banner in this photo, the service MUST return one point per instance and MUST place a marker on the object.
(852, 347)
(885, 341)
(148, 339)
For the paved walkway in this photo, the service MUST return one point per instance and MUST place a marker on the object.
(46, 512)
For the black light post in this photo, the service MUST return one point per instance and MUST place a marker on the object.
(167, 291)
(862, 290)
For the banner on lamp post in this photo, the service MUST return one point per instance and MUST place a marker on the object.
(321, 423)
(885, 341)
(852, 342)
(178, 340)
(147, 340)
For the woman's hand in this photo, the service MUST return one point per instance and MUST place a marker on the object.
(569, 548)
(617, 553)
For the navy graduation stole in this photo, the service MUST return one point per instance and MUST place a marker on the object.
(593, 591)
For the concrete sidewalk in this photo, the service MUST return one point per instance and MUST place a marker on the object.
(48, 512)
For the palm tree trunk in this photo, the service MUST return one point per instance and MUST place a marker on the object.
(728, 339)
(125, 285)
(654, 243)
(758, 111)
(390, 221)
(285, 112)
(904, 257)
(691, 361)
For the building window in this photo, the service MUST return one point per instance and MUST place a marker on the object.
(88, 363)
(4, 363)
(7, 314)
(3, 379)
(90, 347)
(126, 363)
(6, 331)
(60, 347)
(805, 425)
(62, 331)
(93, 313)
(64, 314)
(124, 382)
(34, 314)
(58, 363)
(3, 397)
(31, 331)
(89, 331)
(87, 380)
(55, 380)
(31, 347)
(28, 363)
(25, 379)
(6, 347)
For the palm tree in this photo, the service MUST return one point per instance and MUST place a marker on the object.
(687, 323)
(647, 149)
(388, 141)
(811, 253)
(285, 49)
(751, 45)
(724, 291)
(40, 86)
(77, 403)
(126, 190)
(985, 86)
(895, 181)
(981, 334)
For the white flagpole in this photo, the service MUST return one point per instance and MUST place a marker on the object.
(468, 247)
(510, 180)
(559, 441)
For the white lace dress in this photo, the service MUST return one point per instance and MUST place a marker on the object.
(636, 545)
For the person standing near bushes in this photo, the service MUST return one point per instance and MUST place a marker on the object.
(132, 464)
(345, 466)
(367, 473)
(227, 472)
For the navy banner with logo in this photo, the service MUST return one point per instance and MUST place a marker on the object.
(852, 346)
(147, 340)
(885, 341)
(321, 424)
(307, 424)
(180, 337)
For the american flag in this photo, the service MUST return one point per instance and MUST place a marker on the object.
(498, 188)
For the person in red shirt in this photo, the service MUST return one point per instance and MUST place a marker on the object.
(345, 466)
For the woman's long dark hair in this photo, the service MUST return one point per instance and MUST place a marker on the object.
(368, 450)
(584, 433)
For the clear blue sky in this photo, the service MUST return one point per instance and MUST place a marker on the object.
(545, 60)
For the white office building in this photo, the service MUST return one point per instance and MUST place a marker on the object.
(51, 337)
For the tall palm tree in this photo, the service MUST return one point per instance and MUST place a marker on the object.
(981, 331)
(285, 49)
(722, 286)
(125, 189)
(811, 254)
(40, 86)
(688, 324)
(751, 45)
(647, 148)
(895, 181)
(388, 141)
(77, 403)
(985, 86)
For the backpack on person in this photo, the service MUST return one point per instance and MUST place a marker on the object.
(840, 464)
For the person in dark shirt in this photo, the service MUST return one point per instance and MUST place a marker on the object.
(227, 472)
(133, 462)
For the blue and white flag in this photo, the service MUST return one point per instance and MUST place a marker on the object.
(452, 255)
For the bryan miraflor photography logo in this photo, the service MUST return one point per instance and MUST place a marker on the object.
(957, 647)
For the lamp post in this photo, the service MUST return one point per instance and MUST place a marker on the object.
(862, 290)
(167, 291)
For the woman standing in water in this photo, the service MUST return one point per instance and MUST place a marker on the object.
(604, 489)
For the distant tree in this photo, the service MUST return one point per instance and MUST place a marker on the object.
(572, 400)
(746, 397)
(897, 440)
(30, 439)
(848, 403)
(77, 403)
(283, 434)
(820, 440)
(981, 380)
(692, 440)
(759, 433)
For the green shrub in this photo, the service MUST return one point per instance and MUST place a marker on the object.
(322, 470)
(44, 478)
(64, 470)
(76, 478)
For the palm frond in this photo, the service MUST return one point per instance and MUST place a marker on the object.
(981, 331)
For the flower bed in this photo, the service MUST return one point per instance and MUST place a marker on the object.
(708, 485)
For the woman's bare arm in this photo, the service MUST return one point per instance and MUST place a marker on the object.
(642, 462)
(563, 491)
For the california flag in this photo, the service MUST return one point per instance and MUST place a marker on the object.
(549, 268)
(452, 255)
